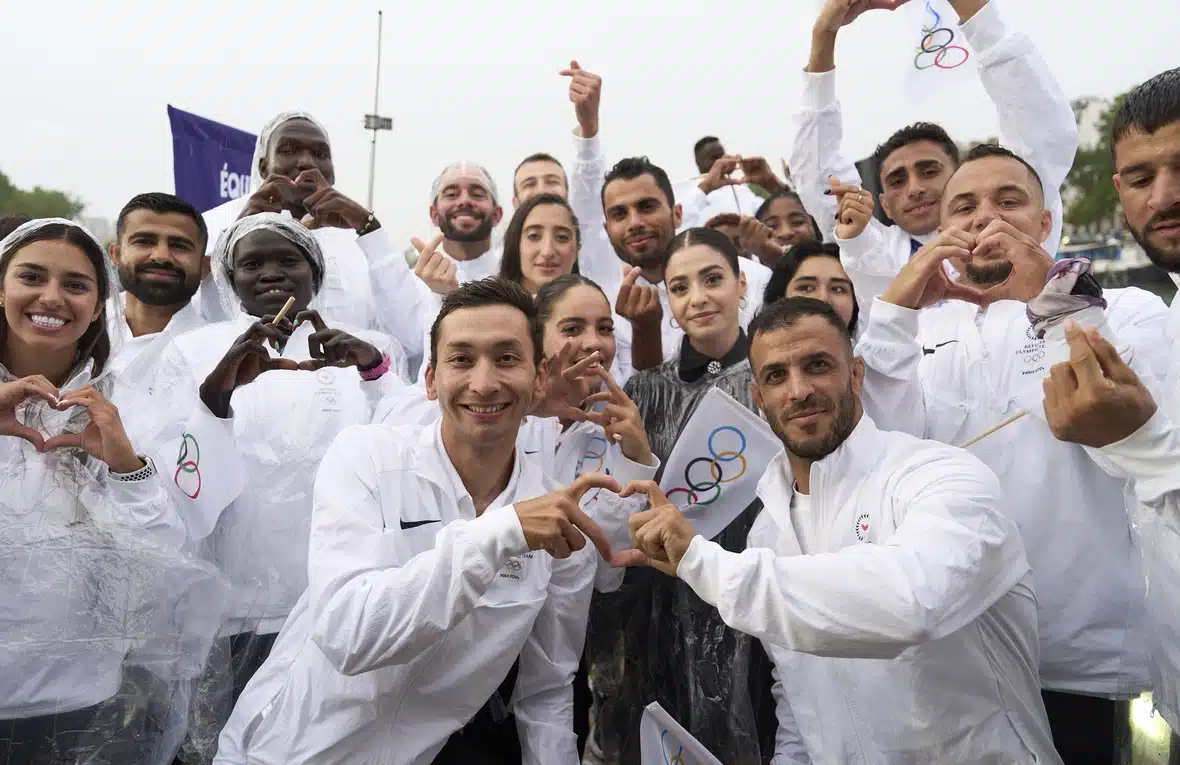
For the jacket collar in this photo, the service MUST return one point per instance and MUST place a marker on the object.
(429, 459)
(833, 479)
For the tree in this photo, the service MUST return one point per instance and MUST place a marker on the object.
(1089, 190)
(38, 202)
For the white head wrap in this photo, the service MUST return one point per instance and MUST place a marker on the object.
(464, 169)
(260, 148)
(282, 224)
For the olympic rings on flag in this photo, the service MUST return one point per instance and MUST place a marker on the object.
(188, 466)
(694, 490)
(676, 759)
(941, 50)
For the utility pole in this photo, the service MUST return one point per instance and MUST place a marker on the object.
(374, 121)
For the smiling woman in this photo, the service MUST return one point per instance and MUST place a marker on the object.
(653, 625)
(88, 531)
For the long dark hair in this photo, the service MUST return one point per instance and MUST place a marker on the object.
(510, 268)
(555, 290)
(788, 265)
(95, 343)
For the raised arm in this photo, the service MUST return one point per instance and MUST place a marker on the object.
(816, 150)
(1036, 119)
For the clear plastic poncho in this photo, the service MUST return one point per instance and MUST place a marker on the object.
(655, 640)
(104, 620)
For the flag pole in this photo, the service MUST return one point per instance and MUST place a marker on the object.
(376, 111)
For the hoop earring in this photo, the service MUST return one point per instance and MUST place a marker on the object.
(674, 324)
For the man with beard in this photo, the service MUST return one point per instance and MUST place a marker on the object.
(982, 365)
(886, 584)
(642, 216)
(367, 283)
(1096, 400)
(160, 254)
(915, 163)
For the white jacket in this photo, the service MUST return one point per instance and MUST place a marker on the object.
(1151, 456)
(976, 369)
(415, 612)
(1036, 122)
(906, 632)
(282, 424)
(564, 455)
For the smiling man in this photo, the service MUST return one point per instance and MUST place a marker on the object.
(882, 577)
(978, 364)
(432, 631)
(160, 254)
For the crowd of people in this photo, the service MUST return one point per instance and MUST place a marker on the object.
(276, 493)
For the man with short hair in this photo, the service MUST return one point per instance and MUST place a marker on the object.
(738, 198)
(914, 164)
(885, 582)
(432, 630)
(642, 217)
(1095, 399)
(159, 251)
(978, 364)
(538, 173)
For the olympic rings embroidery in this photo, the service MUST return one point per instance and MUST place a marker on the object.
(676, 759)
(694, 490)
(591, 454)
(188, 466)
(940, 50)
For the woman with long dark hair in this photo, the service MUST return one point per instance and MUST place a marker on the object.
(654, 639)
(91, 635)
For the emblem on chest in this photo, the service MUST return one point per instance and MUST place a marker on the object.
(862, 527)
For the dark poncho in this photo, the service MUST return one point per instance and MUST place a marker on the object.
(654, 639)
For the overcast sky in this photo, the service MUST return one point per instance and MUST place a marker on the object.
(86, 83)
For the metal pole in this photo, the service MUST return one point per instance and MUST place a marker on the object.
(376, 110)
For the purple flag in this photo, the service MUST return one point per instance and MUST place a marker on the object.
(211, 161)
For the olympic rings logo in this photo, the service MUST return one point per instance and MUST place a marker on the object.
(594, 455)
(188, 466)
(676, 759)
(719, 474)
(937, 42)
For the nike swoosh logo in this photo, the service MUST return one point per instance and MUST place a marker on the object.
(930, 351)
(416, 524)
(532, 452)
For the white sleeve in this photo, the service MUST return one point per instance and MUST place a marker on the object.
(395, 289)
(374, 607)
(788, 744)
(148, 505)
(951, 557)
(1150, 456)
(693, 207)
(543, 701)
(206, 470)
(816, 151)
(1036, 119)
(893, 393)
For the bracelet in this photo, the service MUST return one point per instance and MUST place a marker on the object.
(147, 471)
(370, 226)
(372, 374)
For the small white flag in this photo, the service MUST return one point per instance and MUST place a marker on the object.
(663, 742)
(713, 472)
(937, 55)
